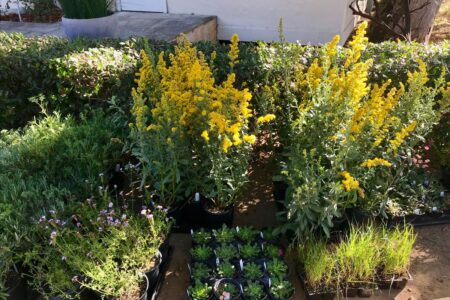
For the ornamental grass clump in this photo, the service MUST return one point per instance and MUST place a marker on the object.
(192, 133)
(351, 141)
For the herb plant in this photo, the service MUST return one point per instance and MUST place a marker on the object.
(226, 270)
(201, 236)
(246, 234)
(200, 271)
(224, 235)
(254, 290)
(227, 287)
(253, 271)
(201, 252)
(226, 252)
(271, 251)
(249, 251)
(200, 291)
(277, 268)
(281, 289)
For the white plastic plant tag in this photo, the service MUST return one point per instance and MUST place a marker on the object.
(261, 234)
(434, 209)
(190, 270)
(442, 194)
(241, 264)
(217, 261)
(270, 282)
(197, 197)
(417, 211)
(237, 229)
(265, 266)
(192, 232)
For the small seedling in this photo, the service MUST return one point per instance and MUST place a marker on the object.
(281, 289)
(271, 251)
(252, 271)
(200, 291)
(201, 237)
(228, 289)
(200, 271)
(226, 270)
(249, 251)
(254, 291)
(246, 234)
(201, 253)
(277, 268)
(224, 235)
(226, 252)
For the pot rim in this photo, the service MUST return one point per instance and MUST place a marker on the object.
(98, 18)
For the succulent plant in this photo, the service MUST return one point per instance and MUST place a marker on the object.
(277, 268)
(254, 290)
(271, 251)
(200, 271)
(249, 251)
(281, 289)
(199, 291)
(201, 252)
(246, 234)
(226, 252)
(226, 270)
(201, 236)
(228, 289)
(224, 235)
(253, 271)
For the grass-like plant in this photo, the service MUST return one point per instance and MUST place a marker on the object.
(359, 256)
(318, 262)
(396, 249)
(85, 9)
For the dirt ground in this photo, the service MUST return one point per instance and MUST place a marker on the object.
(430, 260)
(441, 29)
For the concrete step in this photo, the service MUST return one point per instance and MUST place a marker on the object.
(155, 26)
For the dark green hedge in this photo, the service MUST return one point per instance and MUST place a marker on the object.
(74, 74)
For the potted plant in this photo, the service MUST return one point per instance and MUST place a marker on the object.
(277, 268)
(202, 272)
(271, 251)
(88, 18)
(227, 289)
(199, 291)
(253, 271)
(246, 234)
(224, 235)
(255, 290)
(201, 237)
(281, 289)
(226, 252)
(249, 251)
(226, 270)
(201, 253)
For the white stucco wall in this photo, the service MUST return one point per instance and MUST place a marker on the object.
(306, 21)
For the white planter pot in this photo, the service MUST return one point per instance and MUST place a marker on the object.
(105, 27)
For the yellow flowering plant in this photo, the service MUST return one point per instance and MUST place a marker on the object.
(190, 129)
(351, 142)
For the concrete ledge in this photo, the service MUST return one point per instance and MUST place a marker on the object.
(155, 26)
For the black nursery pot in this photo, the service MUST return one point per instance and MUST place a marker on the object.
(215, 220)
(153, 273)
(279, 194)
(217, 284)
(446, 177)
(17, 289)
(194, 215)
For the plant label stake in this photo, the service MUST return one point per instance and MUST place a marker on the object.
(241, 264)
(197, 197)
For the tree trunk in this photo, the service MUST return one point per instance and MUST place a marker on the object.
(415, 26)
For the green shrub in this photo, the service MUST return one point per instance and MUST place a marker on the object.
(85, 9)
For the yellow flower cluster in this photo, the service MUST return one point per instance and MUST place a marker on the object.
(265, 119)
(184, 97)
(370, 163)
(400, 136)
(349, 182)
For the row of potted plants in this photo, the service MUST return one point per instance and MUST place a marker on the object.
(367, 258)
(237, 263)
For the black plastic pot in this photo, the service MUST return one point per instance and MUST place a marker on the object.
(18, 290)
(177, 213)
(215, 220)
(153, 274)
(394, 283)
(279, 194)
(219, 282)
(445, 179)
(194, 215)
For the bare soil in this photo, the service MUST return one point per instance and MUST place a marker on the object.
(441, 29)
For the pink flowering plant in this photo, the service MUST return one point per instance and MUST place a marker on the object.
(101, 246)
